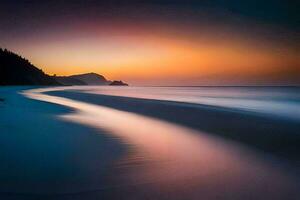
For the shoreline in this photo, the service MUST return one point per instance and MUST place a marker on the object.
(270, 134)
(160, 148)
(43, 154)
(111, 147)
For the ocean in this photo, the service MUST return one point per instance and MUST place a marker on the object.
(277, 101)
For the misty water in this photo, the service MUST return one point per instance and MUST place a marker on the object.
(166, 160)
(277, 101)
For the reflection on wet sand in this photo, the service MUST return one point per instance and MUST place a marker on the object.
(171, 161)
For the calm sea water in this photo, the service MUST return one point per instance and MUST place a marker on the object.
(277, 101)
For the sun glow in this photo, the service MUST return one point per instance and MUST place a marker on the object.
(159, 54)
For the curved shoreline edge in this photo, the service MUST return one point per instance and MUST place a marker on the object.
(269, 134)
(57, 142)
(42, 154)
(170, 141)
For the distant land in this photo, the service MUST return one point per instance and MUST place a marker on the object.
(16, 70)
(82, 79)
(87, 79)
(118, 83)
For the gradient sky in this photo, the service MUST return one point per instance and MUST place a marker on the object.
(159, 42)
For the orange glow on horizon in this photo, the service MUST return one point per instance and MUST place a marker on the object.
(159, 56)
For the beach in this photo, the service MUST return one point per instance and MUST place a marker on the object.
(41, 154)
(66, 143)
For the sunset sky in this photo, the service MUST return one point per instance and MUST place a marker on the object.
(159, 42)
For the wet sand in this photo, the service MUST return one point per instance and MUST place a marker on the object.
(163, 155)
(42, 154)
(277, 136)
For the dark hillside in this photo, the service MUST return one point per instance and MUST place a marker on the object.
(15, 70)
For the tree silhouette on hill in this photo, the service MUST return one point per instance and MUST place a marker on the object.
(16, 70)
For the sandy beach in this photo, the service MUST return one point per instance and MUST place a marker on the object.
(65, 144)
(266, 132)
(41, 154)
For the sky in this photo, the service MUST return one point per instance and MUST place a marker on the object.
(156, 42)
